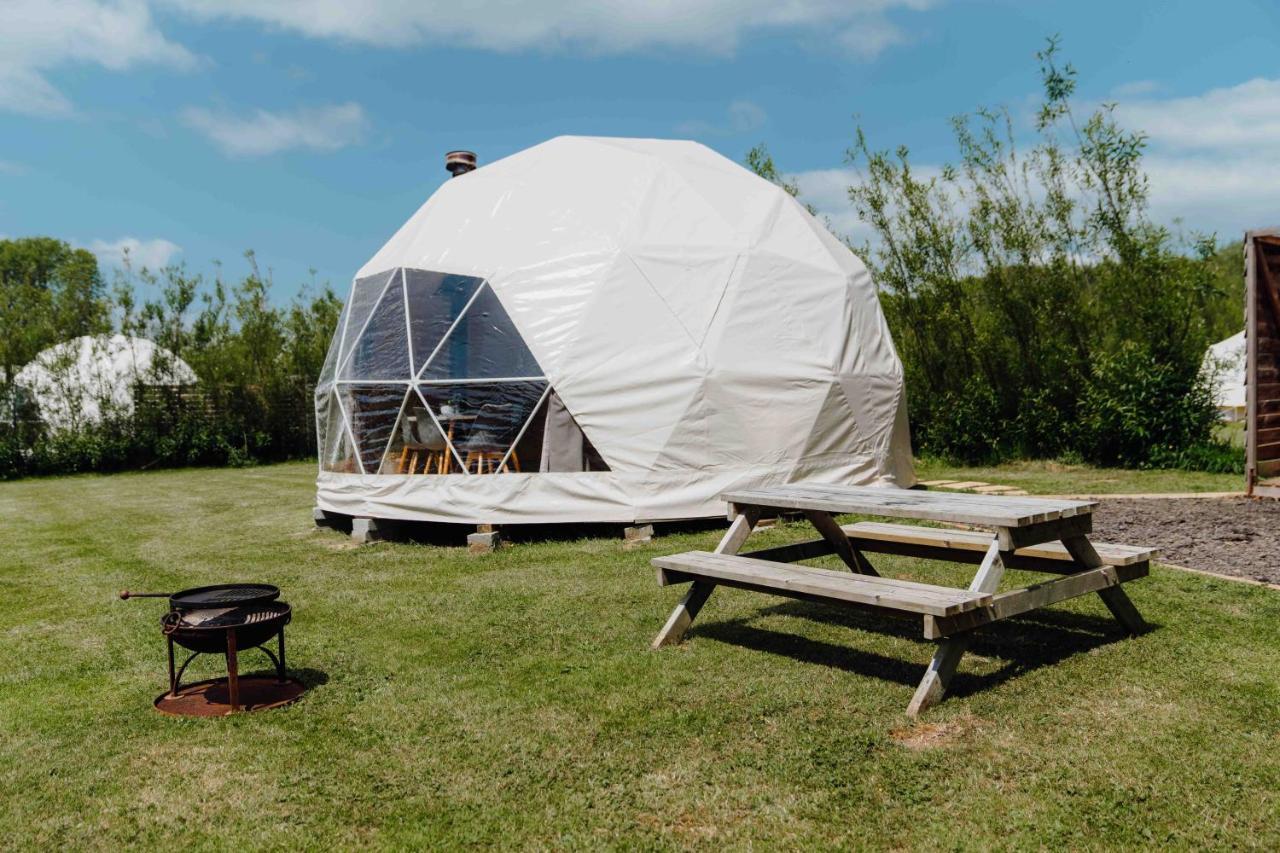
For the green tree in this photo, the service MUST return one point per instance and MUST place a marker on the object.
(1021, 286)
(49, 292)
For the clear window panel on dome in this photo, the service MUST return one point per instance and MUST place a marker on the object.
(418, 444)
(364, 297)
(483, 345)
(372, 411)
(481, 422)
(323, 396)
(435, 301)
(337, 454)
(381, 350)
(330, 369)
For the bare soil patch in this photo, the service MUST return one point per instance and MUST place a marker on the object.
(1231, 536)
(921, 736)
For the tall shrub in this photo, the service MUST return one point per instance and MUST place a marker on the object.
(1036, 307)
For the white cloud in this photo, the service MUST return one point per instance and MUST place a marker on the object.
(603, 26)
(151, 254)
(326, 128)
(828, 191)
(871, 36)
(741, 116)
(1235, 118)
(11, 167)
(1213, 159)
(37, 36)
(1212, 162)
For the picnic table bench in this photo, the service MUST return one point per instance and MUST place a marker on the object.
(1034, 534)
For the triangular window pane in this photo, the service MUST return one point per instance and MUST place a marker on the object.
(482, 421)
(330, 369)
(382, 349)
(435, 301)
(364, 296)
(336, 451)
(372, 411)
(418, 443)
(483, 345)
(323, 403)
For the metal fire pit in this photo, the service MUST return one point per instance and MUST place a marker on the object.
(226, 619)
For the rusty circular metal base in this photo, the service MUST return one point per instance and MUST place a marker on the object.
(212, 698)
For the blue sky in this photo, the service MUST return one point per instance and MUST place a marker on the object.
(309, 130)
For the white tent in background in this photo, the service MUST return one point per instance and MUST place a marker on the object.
(74, 381)
(605, 330)
(1225, 362)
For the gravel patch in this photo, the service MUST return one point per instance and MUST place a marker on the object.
(1231, 536)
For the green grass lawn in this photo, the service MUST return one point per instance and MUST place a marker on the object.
(1059, 478)
(511, 699)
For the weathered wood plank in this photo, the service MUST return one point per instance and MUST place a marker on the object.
(692, 562)
(993, 510)
(835, 586)
(872, 535)
(793, 553)
(946, 658)
(1269, 436)
(682, 617)
(1012, 538)
(1114, 597)
(687, 610)
(830, 530)
(1034, 597)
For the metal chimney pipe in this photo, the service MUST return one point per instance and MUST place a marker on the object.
(460, 162)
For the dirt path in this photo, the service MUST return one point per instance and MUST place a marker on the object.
(1232, 536)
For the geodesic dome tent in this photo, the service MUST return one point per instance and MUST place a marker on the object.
(76, 382)
(605, 330)
(1225, 364)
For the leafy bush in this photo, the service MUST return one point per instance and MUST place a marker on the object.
(1036, 309)
(1138, 411)
(256, 363)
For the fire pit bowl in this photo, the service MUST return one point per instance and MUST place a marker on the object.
(205, 631)
(216, 595)
(225, 619)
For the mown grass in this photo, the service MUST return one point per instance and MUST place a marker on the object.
(511, 700)
(1062, 478)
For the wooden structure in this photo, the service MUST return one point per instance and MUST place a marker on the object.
(1262, 335)
(1024, 533)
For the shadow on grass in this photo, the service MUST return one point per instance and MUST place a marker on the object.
(1021, 643)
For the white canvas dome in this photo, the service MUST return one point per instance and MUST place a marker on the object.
(1226, 363)
(73, 381)
(636, 325)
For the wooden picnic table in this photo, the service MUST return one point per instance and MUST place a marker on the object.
(1036, 534)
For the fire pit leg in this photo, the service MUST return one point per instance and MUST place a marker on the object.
(233, 674)
(173, 678)
(280, 670)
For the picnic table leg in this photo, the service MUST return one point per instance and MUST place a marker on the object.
(1117, 601)
(947, 657)
(687, 610)
(831, 531)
